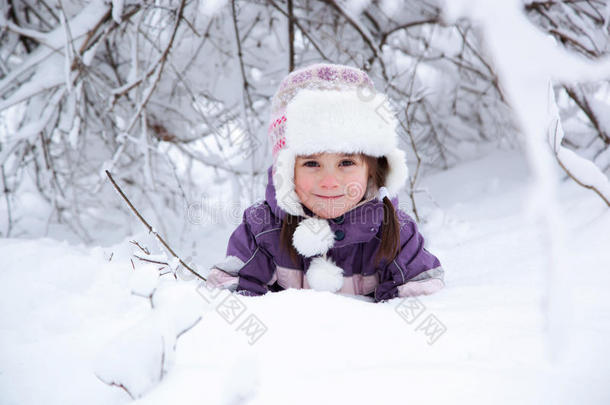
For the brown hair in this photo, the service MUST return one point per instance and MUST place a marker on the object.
(390, 232)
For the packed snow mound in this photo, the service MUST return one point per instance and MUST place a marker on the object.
(72, 309)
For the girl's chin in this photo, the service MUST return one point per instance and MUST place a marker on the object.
(325, 215)
(329, 213)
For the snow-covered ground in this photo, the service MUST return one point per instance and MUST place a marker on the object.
(67, 313)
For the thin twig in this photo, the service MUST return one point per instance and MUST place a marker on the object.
(580, 183)
(182, 332)
(290, 37)
(240, 55)
(162, 357)
(121, 386)
(151, 229)
(303, 30)
(8, 202)
(145, 259)
(387, 34)
(149, 297)
(584, 105)
(142, 248)
(159, 68)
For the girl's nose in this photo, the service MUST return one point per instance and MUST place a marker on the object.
(329, 180)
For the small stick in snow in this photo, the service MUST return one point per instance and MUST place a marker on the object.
(148, 259)
(143, 249)
(149, 297)
(145, 259)
(182, 332)
(580, 183)
(113, 384)
(151, 229)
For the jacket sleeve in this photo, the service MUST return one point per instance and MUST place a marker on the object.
(247, 267)
(414, 271)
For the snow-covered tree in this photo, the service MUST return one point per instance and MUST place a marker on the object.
(167, 94)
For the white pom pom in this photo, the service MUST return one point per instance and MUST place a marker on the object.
(324, 275)
(313, 237)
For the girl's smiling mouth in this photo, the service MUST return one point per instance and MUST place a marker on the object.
(328, 197)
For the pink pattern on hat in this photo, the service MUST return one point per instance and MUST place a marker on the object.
(350, 76)
(277, 130)
(327, 73)
(301, 77)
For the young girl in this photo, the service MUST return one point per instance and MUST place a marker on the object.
(329, 220)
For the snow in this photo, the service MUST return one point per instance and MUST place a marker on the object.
(389, 7)
(67, 313)
(583, 170)
(74, 131)
(525, 73)
(89, 54)
(117, 10)
(355, 7)
(211, 7)
(601, 109)
(144, 280)
(42, 80)
(54, 41)
(143, 348)
(149, 346)
(174, 263)
(524, 317)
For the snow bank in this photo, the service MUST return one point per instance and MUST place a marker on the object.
(68, 312)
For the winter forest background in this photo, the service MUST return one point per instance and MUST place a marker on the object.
(504, 110)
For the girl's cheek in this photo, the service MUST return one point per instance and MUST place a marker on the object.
(308, 183)
(354, 176)
(304, 182)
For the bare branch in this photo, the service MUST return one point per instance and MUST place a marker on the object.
(583, 104)
(150, 228)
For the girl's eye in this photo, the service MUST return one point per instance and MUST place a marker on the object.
(310, 163)
(347, 162)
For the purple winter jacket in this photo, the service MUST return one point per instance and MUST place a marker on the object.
(256, 264)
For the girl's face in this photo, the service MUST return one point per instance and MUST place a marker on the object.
(330, 184)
